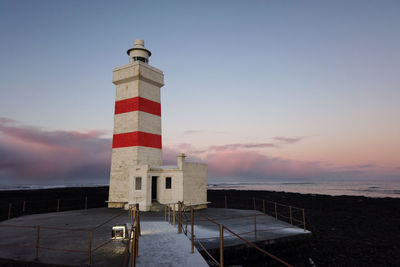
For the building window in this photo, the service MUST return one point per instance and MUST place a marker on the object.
(138, 183)
(167, 182)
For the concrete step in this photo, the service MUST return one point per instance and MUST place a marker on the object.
(155, 206)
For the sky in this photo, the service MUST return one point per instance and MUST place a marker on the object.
(258, 90)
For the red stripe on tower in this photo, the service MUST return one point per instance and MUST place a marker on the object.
(137, 104)
(136, 139)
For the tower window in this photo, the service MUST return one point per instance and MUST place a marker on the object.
(168, 182)
(143, 59)
(138, 183)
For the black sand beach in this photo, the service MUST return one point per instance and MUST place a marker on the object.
(347, 230)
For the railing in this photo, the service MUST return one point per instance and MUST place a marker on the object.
(291, 214)
(39, 229)
(181, 218)
(168, 209)
(18, 208)
(132, 247)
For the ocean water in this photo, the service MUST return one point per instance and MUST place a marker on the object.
(4, 187)
(334, 188)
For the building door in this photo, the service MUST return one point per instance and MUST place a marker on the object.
(154, 188)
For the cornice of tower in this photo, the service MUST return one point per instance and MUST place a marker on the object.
(138, 70)
(142, 64)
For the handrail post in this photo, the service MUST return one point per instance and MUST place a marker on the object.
(192, 227)
(137, 233)
(173, 215)
(304, 219)
(131, 215)
(276, 211)
(226, 202)
(179, 217)
(37, 243)
(58, 205)
(264, 206)
(254, 203)
(90, 247)
(255, 227)
(85, 202)
(9, 210)
(138, 219)
(134, 213)
(169, 214)
(221, 245)
(165, 212)
(291, 219)
(133, 242)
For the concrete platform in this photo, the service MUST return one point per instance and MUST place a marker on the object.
(269, 230)
(159, 245)
(111, 254)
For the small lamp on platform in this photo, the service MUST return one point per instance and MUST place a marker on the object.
(119, 232)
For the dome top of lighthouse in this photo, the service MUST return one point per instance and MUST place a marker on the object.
(138, 44)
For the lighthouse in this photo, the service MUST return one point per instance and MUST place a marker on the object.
(137, 117)
(137, 174)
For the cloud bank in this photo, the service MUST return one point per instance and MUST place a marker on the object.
(35, 155)
(32, 154)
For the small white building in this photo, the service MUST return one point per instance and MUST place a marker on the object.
(137, 174)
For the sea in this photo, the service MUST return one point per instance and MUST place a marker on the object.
(375, 189)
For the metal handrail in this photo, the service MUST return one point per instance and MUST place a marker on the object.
(258, 248)
(18, 208)
(277, 213)
(132, 247)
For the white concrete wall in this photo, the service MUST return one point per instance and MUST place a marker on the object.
(139, 196)
(174, 194)
(130, 89)
(143, 196)
(137, 121)
(118, 191)
(194, 182)
(188, 185)
(124, 157)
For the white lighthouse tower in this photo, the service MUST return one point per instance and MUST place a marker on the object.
(136, 172)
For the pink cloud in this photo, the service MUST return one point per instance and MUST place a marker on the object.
(288, 140)
(240, 146)
(230, 147)
(6, 120)
(34, 154)
(251, 164)
(237, 160)
(192, 132)
(169, 156)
